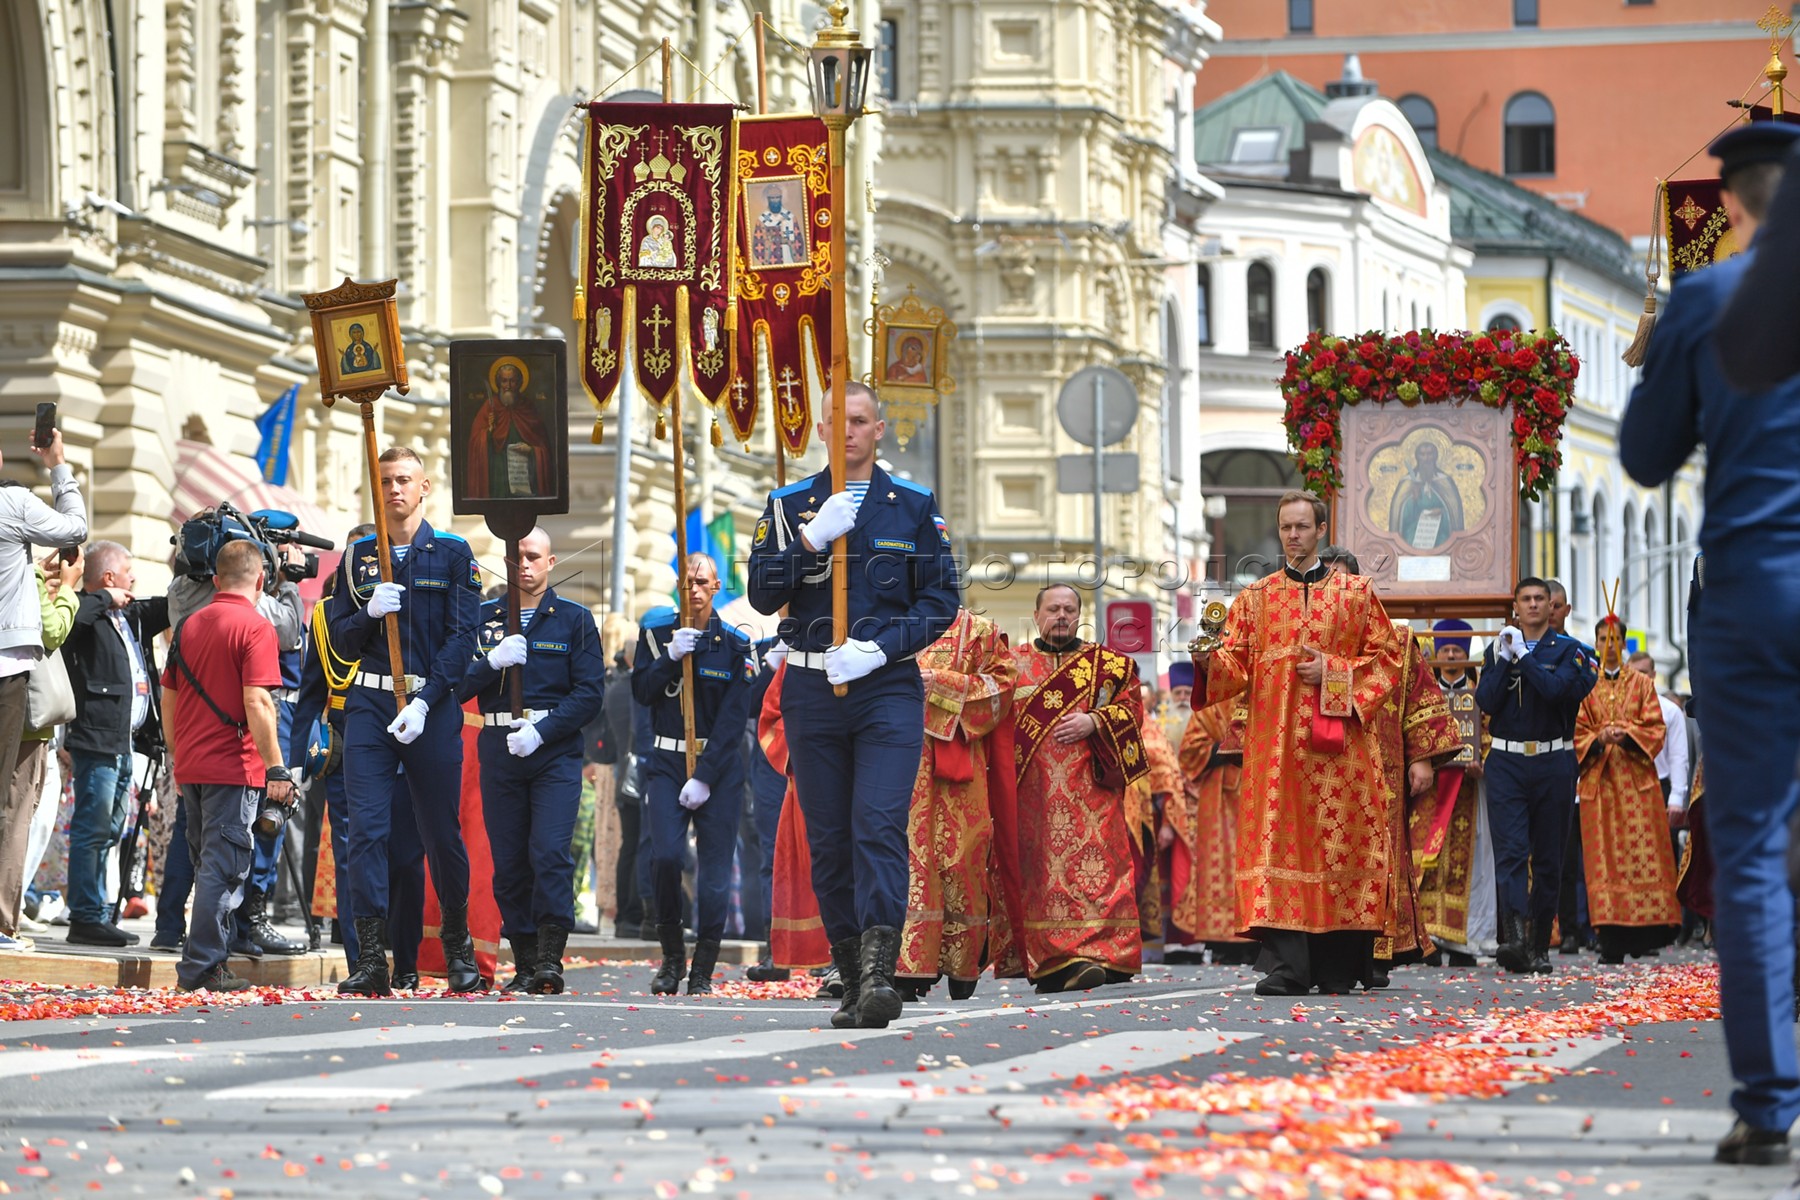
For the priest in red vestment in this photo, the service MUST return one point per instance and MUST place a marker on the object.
(1078, 720)
(1201, 825)
(1316, 658)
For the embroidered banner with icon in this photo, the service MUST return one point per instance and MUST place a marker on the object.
(1699, 229)
(783, 272)
(657, 266)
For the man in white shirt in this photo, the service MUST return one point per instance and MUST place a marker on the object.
(1672, 768)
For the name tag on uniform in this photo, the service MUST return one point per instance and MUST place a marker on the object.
(431, 583)
(894, 544)
(715, 673)
(142, 687)
(552, 647)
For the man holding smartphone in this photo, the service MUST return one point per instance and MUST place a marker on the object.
(25, 521)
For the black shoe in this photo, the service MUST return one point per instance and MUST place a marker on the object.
(547, 980)
(1274, 984)
(1456, 958)
(846, 957)
(878, 1002)
(1079, 976)
(674, 960)
(167, 941)
(255, 915)
(1337, 987)
(406, 981)
(1539, 962)
(1749, 1146)
(525, 958)
(962, 989)
(1570, 945)
(371, 975)
(460, 972)
(765, 971)
(831, 983)
(219, 979)
(96, 933)
(1515, 952)
(706, 957)
(1378, 980)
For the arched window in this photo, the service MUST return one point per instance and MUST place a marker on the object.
(1421, 114)
(1318, 299)
(1203, 307)
(1602, 559)
(1656, 569)
(1415, 314)
(13, 123)
(1260, 306)
(1630, 564)
(1530, 135)
(1503, 323)
(1250, 482)
(1578, 525)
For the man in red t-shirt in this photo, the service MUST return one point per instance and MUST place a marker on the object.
(221, 731)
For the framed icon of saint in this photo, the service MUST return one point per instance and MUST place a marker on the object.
(509, 427)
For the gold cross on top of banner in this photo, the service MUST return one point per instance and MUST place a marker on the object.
(1775, 23)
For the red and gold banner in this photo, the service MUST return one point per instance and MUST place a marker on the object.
(657, 259)
(1698, 228)
(783, 271)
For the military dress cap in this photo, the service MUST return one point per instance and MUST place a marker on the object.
(1444, 630)
(1757, 142)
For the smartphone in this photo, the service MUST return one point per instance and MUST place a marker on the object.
(46, 425)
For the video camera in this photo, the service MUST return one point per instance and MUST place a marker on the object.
(205, 533)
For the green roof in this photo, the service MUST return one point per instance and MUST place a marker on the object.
(1274, 101)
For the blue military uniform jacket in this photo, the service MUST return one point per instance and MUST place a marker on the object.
(903, 578)
(1752, 439)
(565, 672)
(1536, 698)
(437, 618)
(724, 675)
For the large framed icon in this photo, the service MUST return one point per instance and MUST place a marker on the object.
(509, 430)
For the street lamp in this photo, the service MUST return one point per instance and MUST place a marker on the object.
(839, 74)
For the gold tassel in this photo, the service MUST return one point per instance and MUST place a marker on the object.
(1640, 341)
(718, 439)
(579, 307)
(599, 430)
(662, 428)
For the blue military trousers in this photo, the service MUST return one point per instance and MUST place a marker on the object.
(854, 759)
(529, 806)
(1745, 640)
(715, 826)
(433, 765)
(405, 867)
(1529, 805)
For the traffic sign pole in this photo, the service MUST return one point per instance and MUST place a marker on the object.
(1099, 494)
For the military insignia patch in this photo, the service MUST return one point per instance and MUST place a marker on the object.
(762, 534)
(942, 527)
(474, 574)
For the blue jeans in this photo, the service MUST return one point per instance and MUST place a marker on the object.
(102, 788)
(177, 882)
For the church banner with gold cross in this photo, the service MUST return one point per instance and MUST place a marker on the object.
(783, 271)
(1698, 228)
(657, 255)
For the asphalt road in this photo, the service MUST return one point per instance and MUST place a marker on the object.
(609, 1092)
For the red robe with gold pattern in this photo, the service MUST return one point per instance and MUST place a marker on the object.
(796, 931)
(950, 831)
(1315, 852)
(1625, 844)
(1204, 815)
(1074, 840)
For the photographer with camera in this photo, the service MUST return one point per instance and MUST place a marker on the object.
(223, 666)
(254, 933)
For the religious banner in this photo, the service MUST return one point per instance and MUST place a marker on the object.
(509, 421)
(783, 272)
(656, 257)
(1697, 226)
(912, 349)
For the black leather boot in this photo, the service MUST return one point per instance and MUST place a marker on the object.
(1540, 948)
(525, 961)
(548, 979)
(460, 972)
(879, 1002)
(371, 975)
(706, 957)
(1515, 952)
(255, 915)
(674, 960)
(765, 970)
(846, 956)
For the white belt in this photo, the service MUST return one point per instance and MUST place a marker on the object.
(678, 746)
(385, 683)
(811, 660)
(506, 720)
(288, 695)
(1532, 749)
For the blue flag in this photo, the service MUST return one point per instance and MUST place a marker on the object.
(277, 428)
(716, 541)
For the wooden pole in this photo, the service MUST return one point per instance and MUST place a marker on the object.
(668, 68)
(762, 107)
(513, 624)
(383, 551)
(680, 455)
(840, 374)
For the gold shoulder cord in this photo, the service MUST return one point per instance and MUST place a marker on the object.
(338, 671)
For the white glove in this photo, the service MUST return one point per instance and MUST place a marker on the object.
(852, 660)
(682, 643)
(694, 794)
(777, 654)
(1512, 643)
(835, 518)
(386, 599)
(524, 740)
(410, 723)
(509, 653)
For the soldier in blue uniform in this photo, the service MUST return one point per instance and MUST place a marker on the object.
(768, 789)
(1531, 688)
(437, 595)
(854, 757)
(713, 798)
(531, 766)
(1744, 636)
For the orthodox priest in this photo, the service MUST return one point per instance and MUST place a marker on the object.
(1456, 885)
(1316, 657)
(1626, 852)
(1078, 714)
(968, 677)
(1201, 827)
